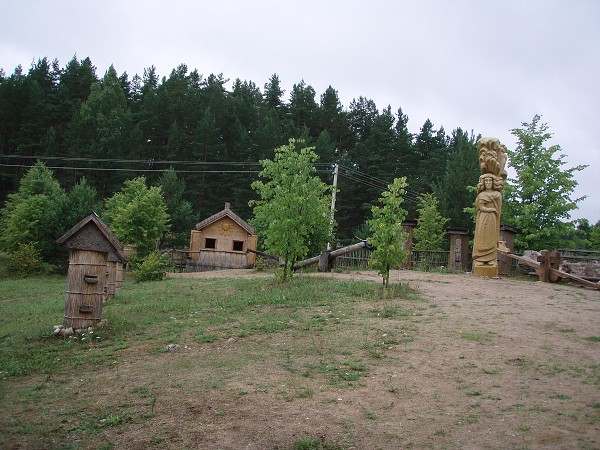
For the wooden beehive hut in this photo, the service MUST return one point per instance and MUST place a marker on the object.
(95, 270)
(222, 241)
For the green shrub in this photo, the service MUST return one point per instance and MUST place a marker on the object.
(151, 268)
(27, 260)
(260, 264)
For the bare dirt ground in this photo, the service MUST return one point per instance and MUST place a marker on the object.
(512, 364)
(492, 363)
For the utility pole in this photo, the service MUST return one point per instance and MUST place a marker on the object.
(336, 168)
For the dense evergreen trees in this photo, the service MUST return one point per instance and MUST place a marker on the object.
(115, 127)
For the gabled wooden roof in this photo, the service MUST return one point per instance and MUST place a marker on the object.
(93, 234)
(227, 212)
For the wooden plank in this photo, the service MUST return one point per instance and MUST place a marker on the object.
(333, 254)
(348, 249)
(554, 272)
(527, 261)
(583, 281)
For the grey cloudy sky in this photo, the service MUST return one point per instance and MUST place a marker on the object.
(483, 65)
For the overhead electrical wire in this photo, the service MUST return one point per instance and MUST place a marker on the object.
(384, 183)
(121, 169)
(345, 171)
(375, 182)
(147, 161)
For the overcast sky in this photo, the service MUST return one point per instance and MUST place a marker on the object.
(485, 66)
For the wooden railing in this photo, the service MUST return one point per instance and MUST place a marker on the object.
(358, 259)
(429, 260)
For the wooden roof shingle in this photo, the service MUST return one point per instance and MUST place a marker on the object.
(227, 212)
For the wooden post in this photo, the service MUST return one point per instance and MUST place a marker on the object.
(544, 260)
(324, 264)
(458, 258)
(507, 234)
(409, 225)
(555, 262)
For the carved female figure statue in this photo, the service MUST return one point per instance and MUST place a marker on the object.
(487, 228)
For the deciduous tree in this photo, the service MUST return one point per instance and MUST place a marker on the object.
(540, 199)
(138, 215)
(292, 214)
(386, 232)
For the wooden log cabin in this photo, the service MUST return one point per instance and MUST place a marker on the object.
(222, 241)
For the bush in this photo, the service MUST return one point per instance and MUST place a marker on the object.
(153, 267)
(26, 260)
(260, 264)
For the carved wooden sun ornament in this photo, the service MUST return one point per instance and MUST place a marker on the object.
(226, 228)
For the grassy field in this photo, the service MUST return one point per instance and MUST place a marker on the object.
(144, 318)
(315, 363)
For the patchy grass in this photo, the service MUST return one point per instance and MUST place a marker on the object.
(477, 336)
(158, 313)
(315, 363)
(316, 314)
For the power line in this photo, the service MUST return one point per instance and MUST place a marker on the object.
(138, 161)
(121, 169)
(406, 196)
(148, 161)
(378, 183)
(348, 172)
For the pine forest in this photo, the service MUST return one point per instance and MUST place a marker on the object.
(210, 137)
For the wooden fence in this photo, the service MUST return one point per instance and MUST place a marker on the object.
(419, 260)
(576, 255)
(428, 260)
(358, 259)
(207, 261)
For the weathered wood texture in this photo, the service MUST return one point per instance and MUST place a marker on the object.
(227, 238)
(93, 234)
(111, 279)
(87, 280)
(459, 249)
(358, 259)
(215, 260)
(326, 260)
(555, 273)
(119, 275)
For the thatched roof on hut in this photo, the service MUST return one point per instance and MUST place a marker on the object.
(227, 212)
(93, 234)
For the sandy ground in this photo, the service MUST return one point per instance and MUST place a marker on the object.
(491, 364)
(512, 364)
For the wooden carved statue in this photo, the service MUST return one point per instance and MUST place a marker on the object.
(492, 161)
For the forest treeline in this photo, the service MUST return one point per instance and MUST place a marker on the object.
(115, 127)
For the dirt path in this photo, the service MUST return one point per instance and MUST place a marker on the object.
(495, 363)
